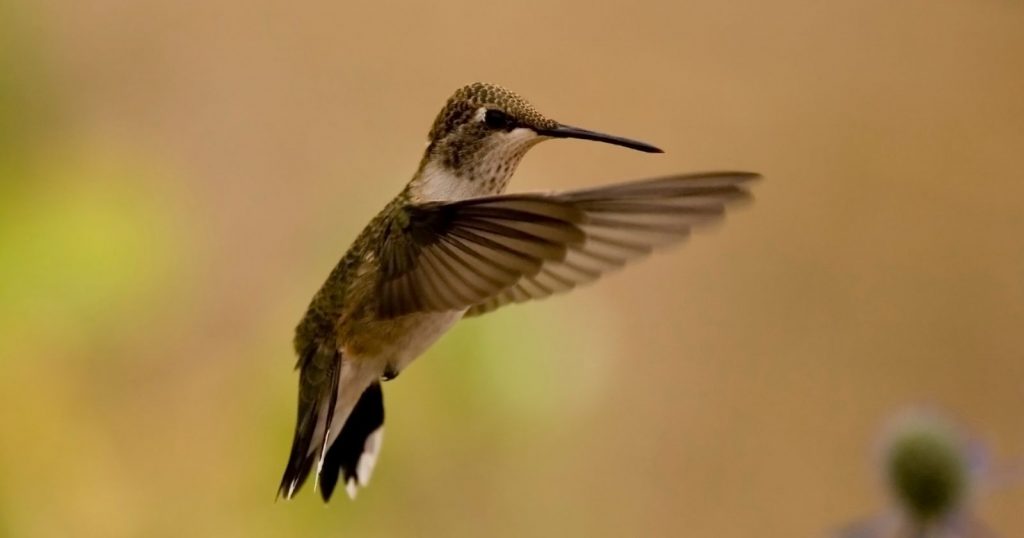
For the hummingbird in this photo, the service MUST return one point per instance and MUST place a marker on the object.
(451, 245)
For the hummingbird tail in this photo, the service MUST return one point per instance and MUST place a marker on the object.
(340, 443)
(318, 396)
(354, 453)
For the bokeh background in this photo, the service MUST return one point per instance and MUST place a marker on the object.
(177, 179)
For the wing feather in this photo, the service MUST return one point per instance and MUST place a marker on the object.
(482, 253)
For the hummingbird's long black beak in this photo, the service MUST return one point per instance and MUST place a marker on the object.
(568, 131)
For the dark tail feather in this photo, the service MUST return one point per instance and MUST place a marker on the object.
(318, 393)
(354, 452)
(299, 464)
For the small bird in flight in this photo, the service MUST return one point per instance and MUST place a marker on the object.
(450, 246)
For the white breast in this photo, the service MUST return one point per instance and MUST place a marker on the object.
(439, 184)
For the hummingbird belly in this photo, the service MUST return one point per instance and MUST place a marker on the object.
(407, 337)
(395, 343)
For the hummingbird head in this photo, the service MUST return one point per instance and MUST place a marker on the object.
(480, 136)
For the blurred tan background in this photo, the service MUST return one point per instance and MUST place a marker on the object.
(177, 179)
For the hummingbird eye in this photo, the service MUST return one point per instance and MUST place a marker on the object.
(497, 119)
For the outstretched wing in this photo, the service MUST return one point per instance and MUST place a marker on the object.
(482, 253)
